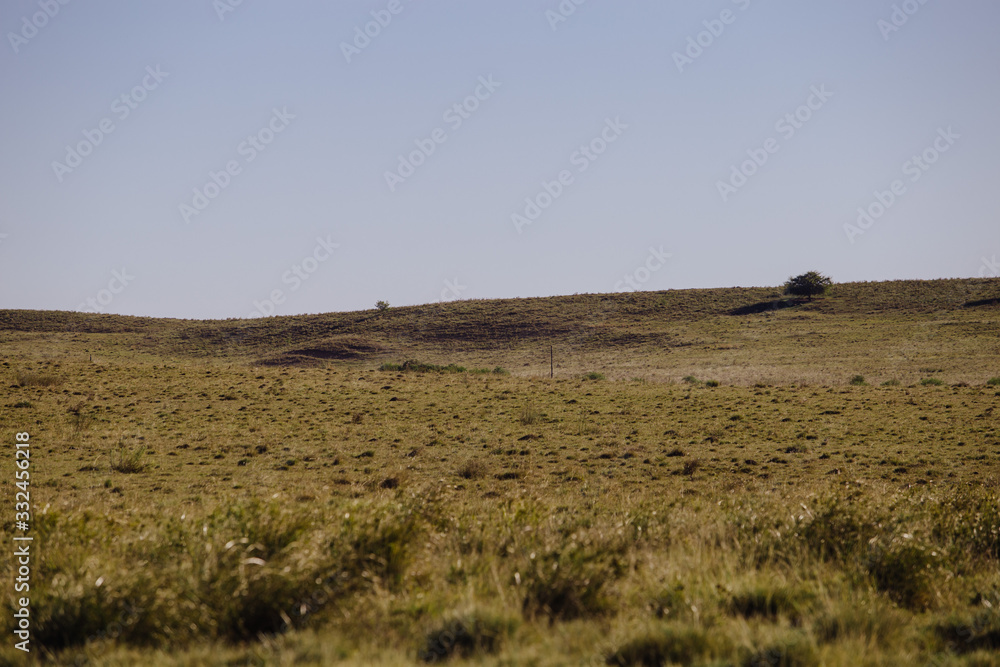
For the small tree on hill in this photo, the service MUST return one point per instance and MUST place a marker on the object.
(808, 285)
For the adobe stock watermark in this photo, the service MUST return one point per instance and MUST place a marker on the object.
(990, 268)
(363, 35)
(122, 107)
(787, 126)
(454, 116)
(581, 158)
(223, 7)
(562, 12)
(31, 25)
(248, 149)
(452, 290)
(714, 29)
(295, 276)
(95, 304)
(915, 168)
(655, 260)
(899, 17)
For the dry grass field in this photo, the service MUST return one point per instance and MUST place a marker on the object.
(711, 477)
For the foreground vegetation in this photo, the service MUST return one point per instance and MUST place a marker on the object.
(216, 509)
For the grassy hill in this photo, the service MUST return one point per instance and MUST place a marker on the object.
(738, 335)
(716, 478)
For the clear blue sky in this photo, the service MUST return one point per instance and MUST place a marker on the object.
(310, 117)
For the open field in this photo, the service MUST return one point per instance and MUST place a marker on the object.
(705, 481)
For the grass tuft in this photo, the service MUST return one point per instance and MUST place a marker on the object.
(794, 651)
(768, 603)
(903, 570)
(472, 469)
(29, 379)
(128, 460)
(572, 581)
(467, 636)
(529, 414)
(664, 646)
(963, 633)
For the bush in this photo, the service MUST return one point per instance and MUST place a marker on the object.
(902, 570)
(968, 523)
(381, 305)
(379, 549)
(767, 603)
(711, 383)
(993, 382)
(877, 625)
(264, 525)
(808, 285)
(891, 383)
(72, 611)
(796, 651)
(964, 634)
(932, 382)
(690, 379)
(571, 581)
(467, 636)
(668, 645)
(836, 531)
(244, 569)
(593, 375)
(858, 381)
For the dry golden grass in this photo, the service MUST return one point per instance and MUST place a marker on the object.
(326, 511)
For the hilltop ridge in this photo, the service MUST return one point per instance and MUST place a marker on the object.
(713, 329)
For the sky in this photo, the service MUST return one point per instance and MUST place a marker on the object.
(246, 158)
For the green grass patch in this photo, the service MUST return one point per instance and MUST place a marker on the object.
(412, 366)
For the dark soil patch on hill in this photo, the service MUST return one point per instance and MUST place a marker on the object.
(330, 349)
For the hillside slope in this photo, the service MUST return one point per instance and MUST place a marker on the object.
(895, 329)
